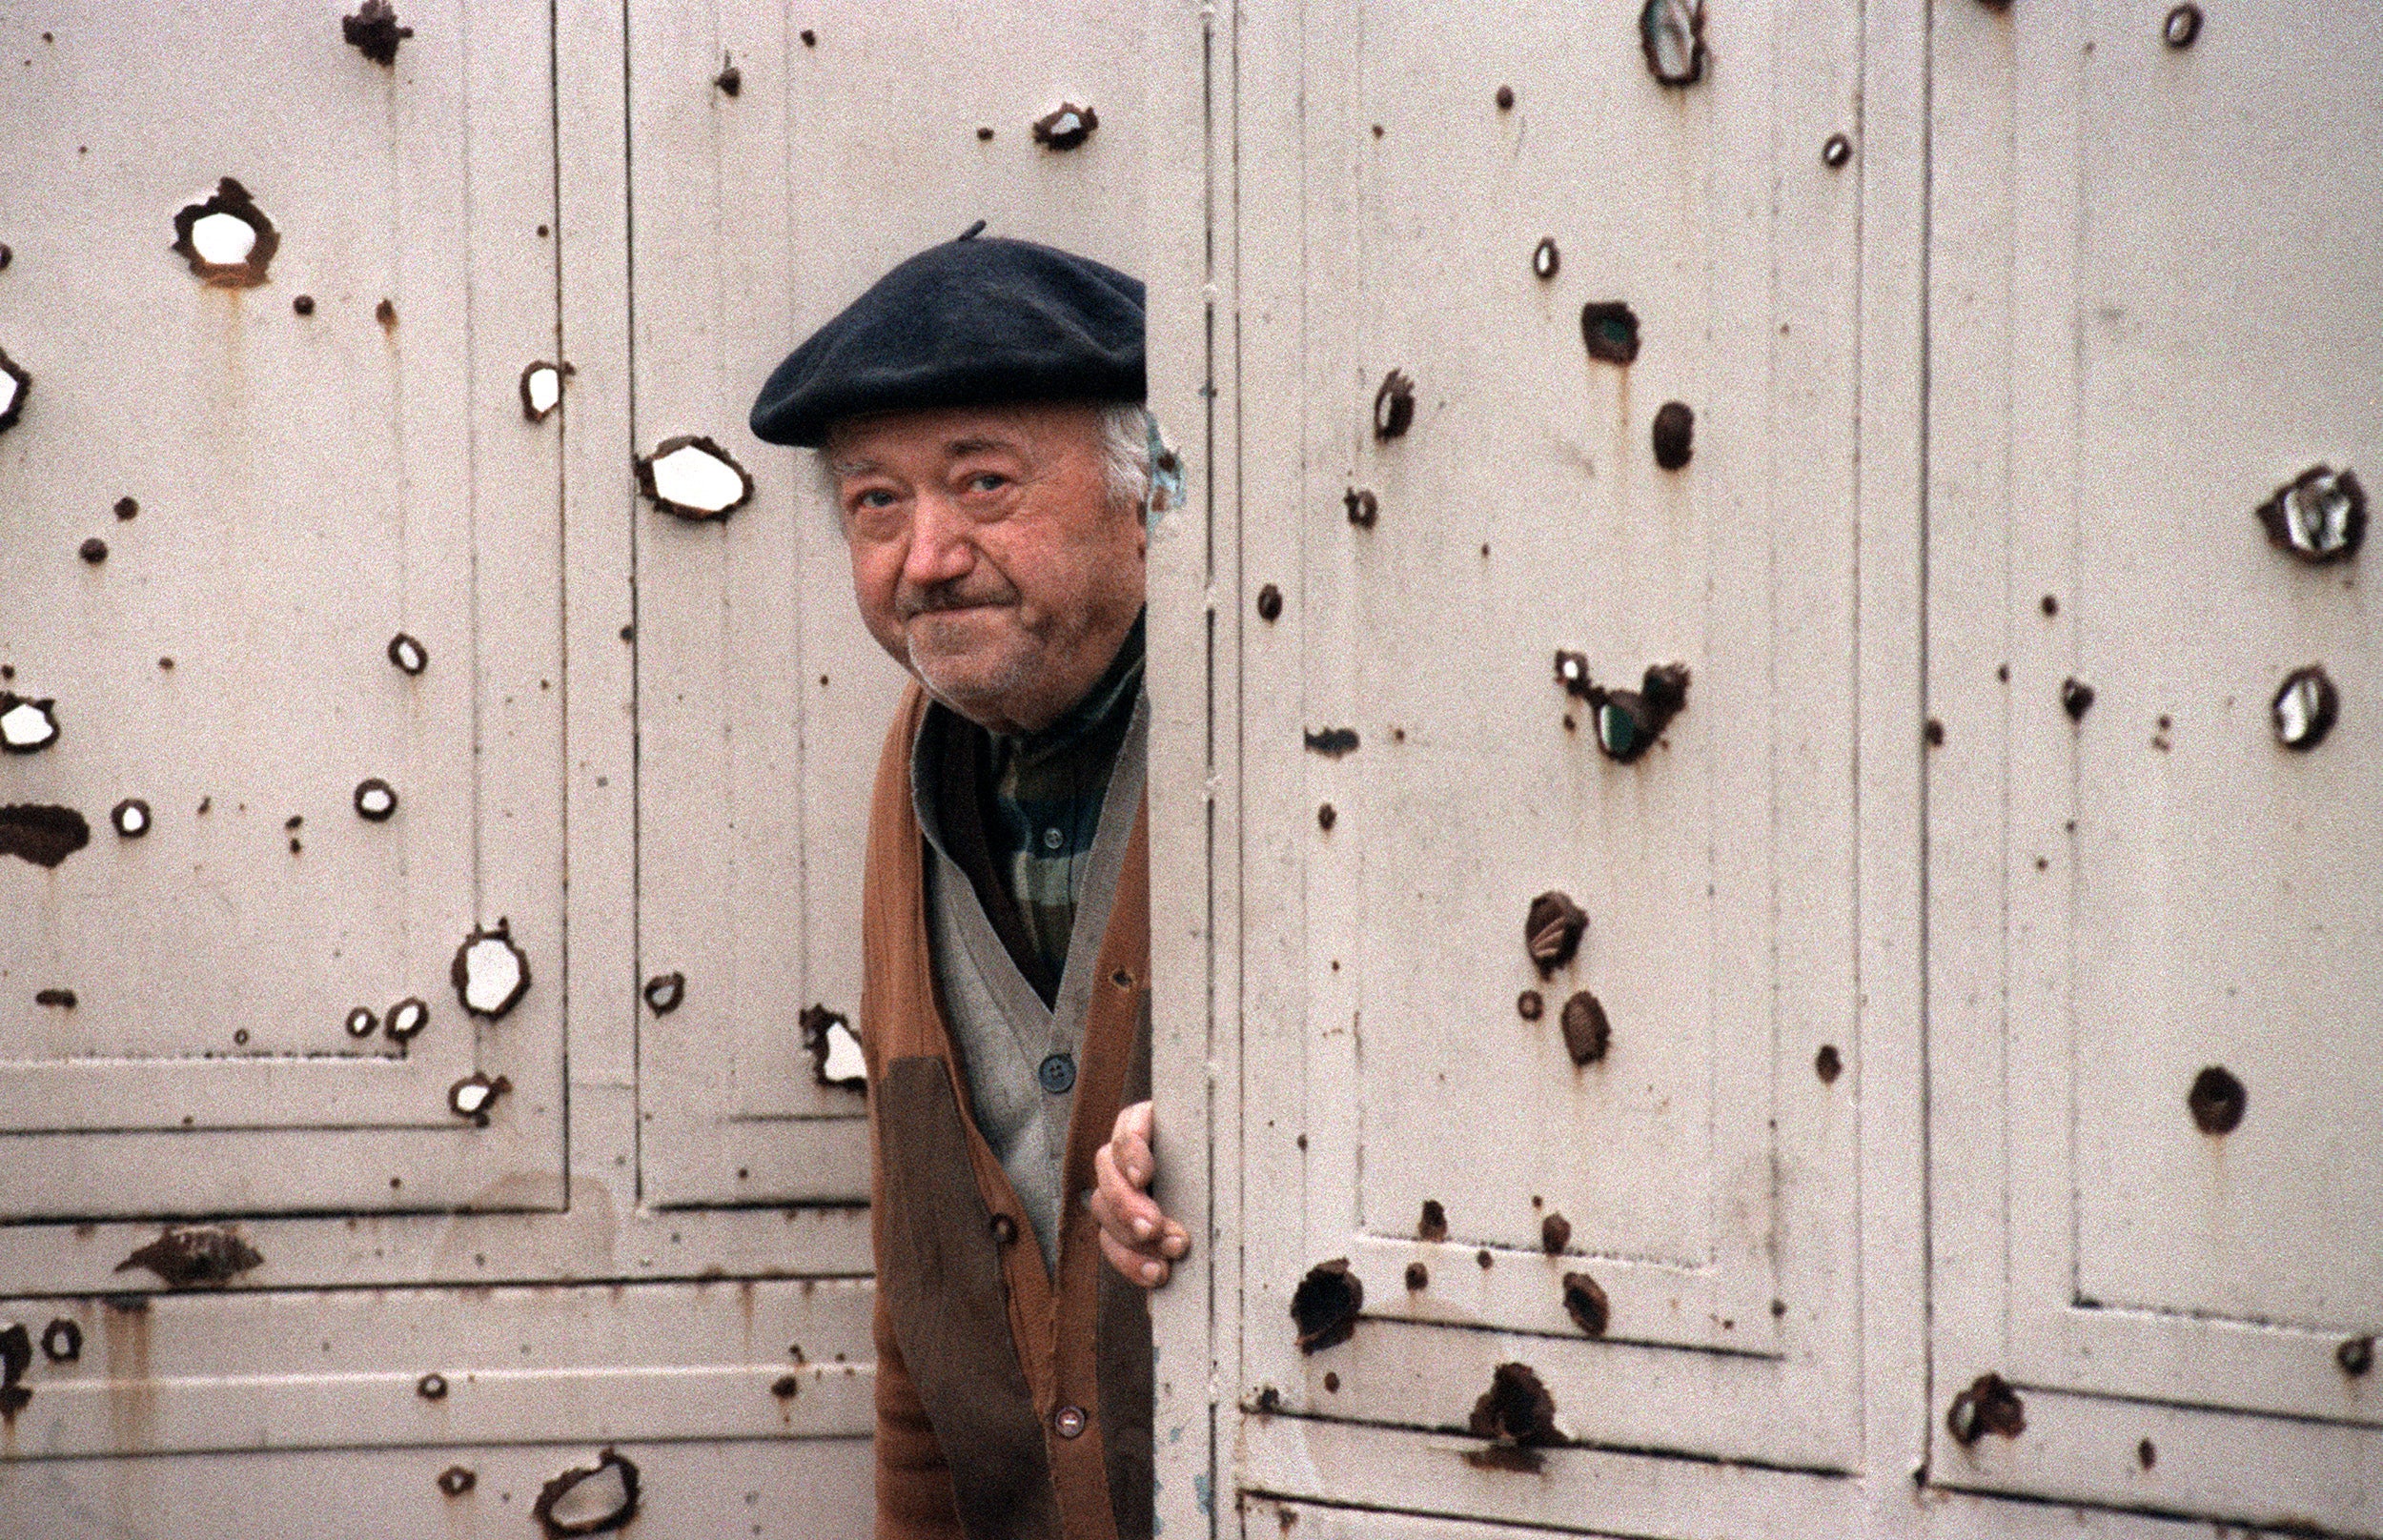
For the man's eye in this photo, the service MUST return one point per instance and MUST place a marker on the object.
(987, 481)
(874, 498)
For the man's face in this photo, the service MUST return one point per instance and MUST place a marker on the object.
(987, 555)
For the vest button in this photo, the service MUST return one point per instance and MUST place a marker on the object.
(1057, 1073)
(1052, 838)
(1069, 1421)
(1004, 1228)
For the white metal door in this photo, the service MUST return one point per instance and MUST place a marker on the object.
(2153, 923)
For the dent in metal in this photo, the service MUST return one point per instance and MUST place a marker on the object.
(694, 477)
(490, 974)
(594, 1499)
(226, 238)
(1326, 1303)
(42, 833)
(200, 1256)
(835, 1050)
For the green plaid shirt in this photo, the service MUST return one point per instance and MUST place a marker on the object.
(1043, 806)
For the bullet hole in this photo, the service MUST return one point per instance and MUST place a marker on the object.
(61, 1341)
(2182, 27)
(1326, 818)
(16, 1356)
(810, 38)
(43, 835)
(693, 478)
(2320, 516)
(1394, 407)
(984, 133)
(295, 821)
(1362, 506)
(204, 1256)
(454, 1480)
(475, 1094)
(1332, 742)
(1483, 1258)
(490, 974)
(295, 845)
(374, 31)
(1989, 1406)
(6, 257)
(1586, 1301)
(1555, 1234)
(127, 507)
(2050, 604)
(375, 799)
(1065, 127)
(1269, 604)
(1934, 733)
(93, 550)
(2356, 1355)
(628, 633)
(1628, 721)
(62, 999)
(1530, 1005)
(406, 1020)
(1827, 1063)
(1332, 1383)
(542, 233)
(361, 1022)
(1326, 1303)
(1610, 331)
(1674, 435)
(226, 238)
(15, 384)
(785, 1386)
(1515, 1410)
(1836, 151)
(165, 663)
(1505, 98)
(431, 1388)
(2076, 697)
(589, 1499)
(836, 1058)
(1418, 1278)
(239, 1038)
(2002, 671)
(1551, 931)
(386, 314)
(2217, 1101)
(2303, 710)
(1779, 1309)
(1546, 259)
(408, 656)
(1671, 34)
(730, 80)
(663, 992)
(542, 390)
(26, 726)
(1268, 1400)
(303, 304)
(1587, 1034)
(1433, 1223)
(2146, 1454)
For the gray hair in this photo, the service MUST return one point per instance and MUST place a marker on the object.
(1126, 431)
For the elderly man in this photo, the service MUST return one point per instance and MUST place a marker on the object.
(979, 414)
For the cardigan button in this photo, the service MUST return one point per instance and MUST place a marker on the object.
(1004, 1228)
(1069, 1421)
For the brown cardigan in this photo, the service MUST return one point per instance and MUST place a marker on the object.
(1004, 1407)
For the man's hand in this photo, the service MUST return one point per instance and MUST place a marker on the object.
(1138, 1241)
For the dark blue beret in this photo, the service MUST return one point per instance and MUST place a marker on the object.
(972, 322)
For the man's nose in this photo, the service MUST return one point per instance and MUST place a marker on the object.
(939, 546)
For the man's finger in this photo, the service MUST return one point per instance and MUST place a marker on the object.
(1148, 1271)
(1121, 1207)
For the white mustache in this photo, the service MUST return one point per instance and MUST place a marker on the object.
(912, 604)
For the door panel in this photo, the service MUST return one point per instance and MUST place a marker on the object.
(2153, 923)
(266, 485)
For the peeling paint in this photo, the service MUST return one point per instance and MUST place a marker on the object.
(200, 1256)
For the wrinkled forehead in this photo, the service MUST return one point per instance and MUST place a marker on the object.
(889, 440)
